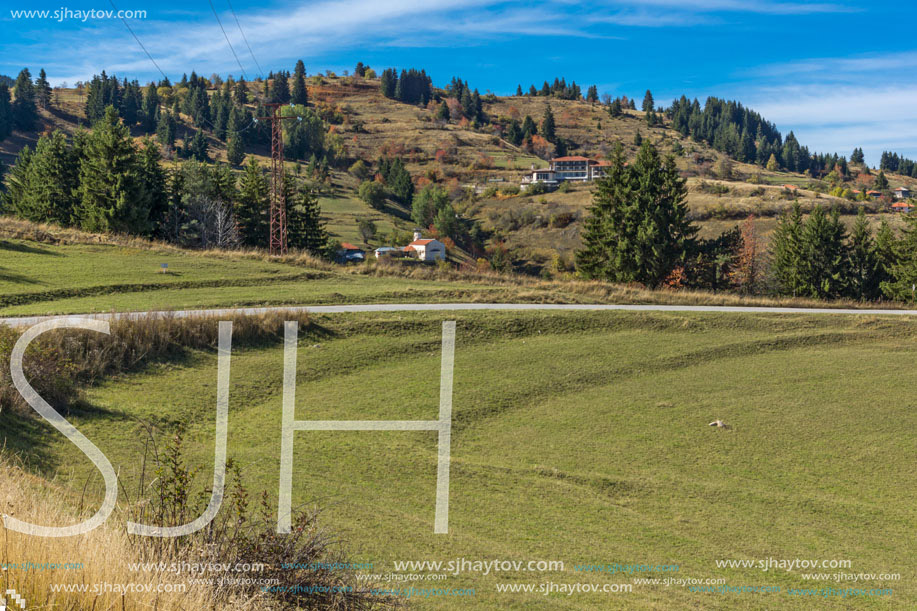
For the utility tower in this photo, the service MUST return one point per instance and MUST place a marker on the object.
(277, 240)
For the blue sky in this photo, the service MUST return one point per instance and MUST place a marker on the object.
(839, 73)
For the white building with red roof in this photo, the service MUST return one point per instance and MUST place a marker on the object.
(428, 250)
(571, 167)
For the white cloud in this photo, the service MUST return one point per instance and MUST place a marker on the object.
(837, 119)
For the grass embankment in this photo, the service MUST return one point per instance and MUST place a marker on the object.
(579, 437)
(47, 270)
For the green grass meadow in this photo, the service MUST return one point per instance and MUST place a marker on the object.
(579, 437)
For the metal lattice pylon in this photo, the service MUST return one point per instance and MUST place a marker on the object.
(278, 223)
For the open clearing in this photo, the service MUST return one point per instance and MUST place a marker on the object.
(578, 436)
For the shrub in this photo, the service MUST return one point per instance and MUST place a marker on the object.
(359, 169)
(373, 193)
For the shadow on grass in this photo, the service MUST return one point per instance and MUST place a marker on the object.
(16, 278)
(27, 437)
(26, 248)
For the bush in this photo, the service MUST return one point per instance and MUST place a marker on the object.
(373, 193)
(509, 190)
(536, 188)
(359, 169)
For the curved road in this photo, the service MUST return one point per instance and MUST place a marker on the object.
(25, 321)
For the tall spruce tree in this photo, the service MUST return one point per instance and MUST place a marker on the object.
(155, 182)
(638, 229)
(50, 181)
(648, 102)
(825, 256)
(787, 251)
(42, 90)
(112, 192)
(547, 124)
(25, 113)
(298, 93)
(863, 262)
(252, 205)
(304, 219)
(149, 114)
(6, 112)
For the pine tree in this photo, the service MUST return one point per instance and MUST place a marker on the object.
(304, 220)
(42, 90)
(155, 183)
(25, 113)
(772, 163)
(165, 130)
(547, 124)
(881, 183)
(443, 114)
(6, 112)
(112, 194)
(863, 262)
(616, 109)
(648, 102)
(467, 104)
(592, 95)
(638, 229)
(787, 250)
(49, 181)
(280, 89)
(17, 181)
(388, 82)
(529, 128)
(149, 114)
(298, 93)
(240, 93)
(857, 156)
(886, 257)
(519, 90)
(824, 255)
(252, 205)
(235, 150)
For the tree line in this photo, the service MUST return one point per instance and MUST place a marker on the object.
(638, 231)
(893, 162)
(99, 180)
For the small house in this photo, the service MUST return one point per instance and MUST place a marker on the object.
(348, 253)
(902, 193)
(427, 250)
(903, 207)
(387, 251)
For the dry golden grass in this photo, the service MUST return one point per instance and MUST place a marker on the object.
(103, 555)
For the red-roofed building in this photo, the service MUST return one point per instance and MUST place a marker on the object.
(571, 167)
(428, 250)
(902, 207)
(350, 253)
(902, 193)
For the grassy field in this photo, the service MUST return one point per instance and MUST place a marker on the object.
(577, 437)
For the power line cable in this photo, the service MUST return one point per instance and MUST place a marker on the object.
(213, 8)
(236, 17)
(124, 21)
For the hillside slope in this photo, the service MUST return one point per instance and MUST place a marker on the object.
(459, 156)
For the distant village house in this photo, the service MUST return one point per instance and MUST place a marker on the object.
(902, 193)
(572, 168)
(427, 250)
(348, 253)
